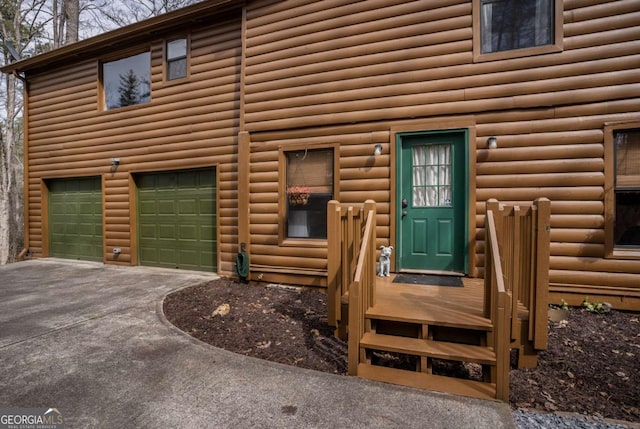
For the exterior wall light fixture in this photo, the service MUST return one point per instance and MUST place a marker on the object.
(492, 142)
(377, 150)
(115, 162)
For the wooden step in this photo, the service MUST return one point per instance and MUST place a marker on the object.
(428, 316)
(420, 380)
(431, 305)
(429, 348)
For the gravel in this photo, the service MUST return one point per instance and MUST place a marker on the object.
(536, 420)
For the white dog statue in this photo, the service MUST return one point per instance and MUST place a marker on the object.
(384, 264)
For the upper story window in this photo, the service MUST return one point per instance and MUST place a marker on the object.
(512, 28)
(176, 52)
(127, 81)
(622, 191)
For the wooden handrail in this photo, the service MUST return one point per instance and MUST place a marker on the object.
(540, 286)
(523, 240)
(516, 280)
(345, 229)
(362, 289)
(500, 309)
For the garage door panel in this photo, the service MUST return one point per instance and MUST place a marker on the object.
(188, 207)
(86, 208)
(188, 180)
(167, 207)
(208, 207)
(147, 231)
(150, 252)
(147, 207)
(167, 180)
(86, 229)
(188, 232)
(206, 256)
(75, 218)
(174, 231)
(207, 233)
(166, 232)
(166, 256)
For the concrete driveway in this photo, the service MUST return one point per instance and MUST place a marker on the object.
(91, 340)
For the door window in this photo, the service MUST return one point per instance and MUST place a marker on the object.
(432, 175)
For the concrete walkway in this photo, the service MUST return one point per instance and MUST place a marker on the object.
(91, 340)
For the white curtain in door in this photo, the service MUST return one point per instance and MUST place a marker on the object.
(432, 176)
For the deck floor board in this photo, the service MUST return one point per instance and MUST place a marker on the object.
(441, 305)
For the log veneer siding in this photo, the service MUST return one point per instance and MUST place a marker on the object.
(189, 123)
(302, 73)
(369, 67)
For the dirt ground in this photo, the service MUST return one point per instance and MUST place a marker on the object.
(592, 365)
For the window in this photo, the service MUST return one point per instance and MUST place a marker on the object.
(431, 175)
(126, 81)
(622, 199)
(176, 59)
(626, 231)
(527, 27)
(309, 187)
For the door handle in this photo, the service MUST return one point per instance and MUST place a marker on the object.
(404, 213)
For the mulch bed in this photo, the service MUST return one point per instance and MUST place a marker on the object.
(592, 365)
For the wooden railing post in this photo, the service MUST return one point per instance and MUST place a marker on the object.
(355, 329)
(522, 241)
(370, 208)
(516, 253)
(491, 205)
(541, 297)
(500, 308)
(362, 288)
(345, 236)
(334, 262)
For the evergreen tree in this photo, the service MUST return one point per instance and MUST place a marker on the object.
(128, 89)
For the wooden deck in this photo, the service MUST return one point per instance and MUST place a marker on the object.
(429, 322)
(423, 325)
(442, 305)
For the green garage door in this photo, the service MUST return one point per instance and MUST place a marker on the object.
(75, 218)
(177, 219)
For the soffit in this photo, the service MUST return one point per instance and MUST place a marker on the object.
(125, 36)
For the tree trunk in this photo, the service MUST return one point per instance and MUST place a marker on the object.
(72, 15)
(55, 20)
(10, 213)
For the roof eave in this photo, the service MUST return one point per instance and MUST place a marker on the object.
(130, 32)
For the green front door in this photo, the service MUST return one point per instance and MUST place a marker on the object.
(432, 201)
(177, 219)
(75, 218)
